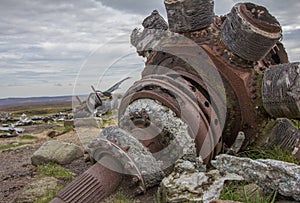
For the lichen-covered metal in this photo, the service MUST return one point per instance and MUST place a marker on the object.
(91, 186)
(281, 90)
(188, 16)
(241, 75)
(250, 31)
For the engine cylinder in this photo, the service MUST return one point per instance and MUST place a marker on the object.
(189, 15)
(250, 31)
(281, 91)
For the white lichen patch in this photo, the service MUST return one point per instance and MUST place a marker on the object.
(178, 141)
(189, 184)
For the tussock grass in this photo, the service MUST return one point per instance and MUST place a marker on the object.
(50, 196)
(235, 191)
(9, 146)
(119, 197)
(270, 153)
(296, 123)
(28, 137)
(64, 129)
(54, 170)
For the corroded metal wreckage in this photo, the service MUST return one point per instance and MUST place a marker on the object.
(207, 79)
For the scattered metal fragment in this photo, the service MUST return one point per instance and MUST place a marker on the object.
(99, 102)
(8, 135)
(238, 143)
(11, 131)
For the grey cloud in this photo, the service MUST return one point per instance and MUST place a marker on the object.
(42, 40)
(144, 7)
(292, 45)
(56, 36)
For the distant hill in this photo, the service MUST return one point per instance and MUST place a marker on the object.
(34, 101)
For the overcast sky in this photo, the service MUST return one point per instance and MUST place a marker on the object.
(44, 43)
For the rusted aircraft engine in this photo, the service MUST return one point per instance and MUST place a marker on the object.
(206, 79)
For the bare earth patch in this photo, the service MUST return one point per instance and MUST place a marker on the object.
(16, 170)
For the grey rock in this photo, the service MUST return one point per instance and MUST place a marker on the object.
(268, 174)
(38, 189)
(187, 184)
(53, 134)
(56, 151)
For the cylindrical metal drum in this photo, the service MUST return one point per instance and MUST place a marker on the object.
(281, 90)
(189, 15)
(250, 31)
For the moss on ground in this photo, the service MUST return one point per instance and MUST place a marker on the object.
(14, 145)
(27, 137)
(54, 170)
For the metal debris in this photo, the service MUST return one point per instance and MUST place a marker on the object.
(250, 31)
(189, 15)
(271, 175)
(98, 102)
(187, 184)
(202, 87)
(281, 90)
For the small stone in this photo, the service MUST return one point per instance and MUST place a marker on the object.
(56, 151)
(52, 134)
